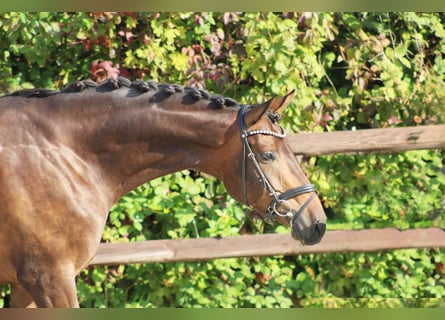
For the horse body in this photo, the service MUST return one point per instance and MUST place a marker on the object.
(67, 157)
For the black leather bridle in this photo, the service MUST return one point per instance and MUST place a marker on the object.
(279, 200)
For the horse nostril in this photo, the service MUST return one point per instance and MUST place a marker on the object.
(320, 229)
(308, 232)
(316, 233)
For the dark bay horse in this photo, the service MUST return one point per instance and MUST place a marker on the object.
(67, 156)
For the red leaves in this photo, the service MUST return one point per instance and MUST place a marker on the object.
(101, 70)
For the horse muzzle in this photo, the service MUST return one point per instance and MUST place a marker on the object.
(307, 232)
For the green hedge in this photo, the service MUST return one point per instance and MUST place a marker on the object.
(350, 71)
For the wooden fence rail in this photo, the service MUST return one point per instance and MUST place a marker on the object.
(386, 140)
(265, 245)
(372, 140)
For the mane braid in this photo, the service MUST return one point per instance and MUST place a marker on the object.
(161, 91)
(33, 93)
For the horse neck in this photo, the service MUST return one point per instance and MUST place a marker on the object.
(132, 141)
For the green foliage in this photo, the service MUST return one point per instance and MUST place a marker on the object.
(350, 71)
(402, 190)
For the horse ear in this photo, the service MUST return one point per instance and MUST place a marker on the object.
(275, 105)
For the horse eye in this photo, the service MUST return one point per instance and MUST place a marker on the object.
(268, 156)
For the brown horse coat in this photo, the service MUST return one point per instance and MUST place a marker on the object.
(66, 157)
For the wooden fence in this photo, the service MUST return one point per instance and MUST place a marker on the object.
(372, 140)
(266, 245)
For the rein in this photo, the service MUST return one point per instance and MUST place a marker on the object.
(279, 200)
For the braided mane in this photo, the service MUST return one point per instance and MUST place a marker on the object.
(138, 87)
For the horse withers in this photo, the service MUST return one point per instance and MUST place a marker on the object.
(67, 156)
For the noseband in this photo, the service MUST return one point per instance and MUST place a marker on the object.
(279, 200)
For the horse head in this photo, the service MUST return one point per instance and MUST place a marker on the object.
(267, 176)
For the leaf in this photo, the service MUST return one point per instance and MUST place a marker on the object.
(179, 61)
